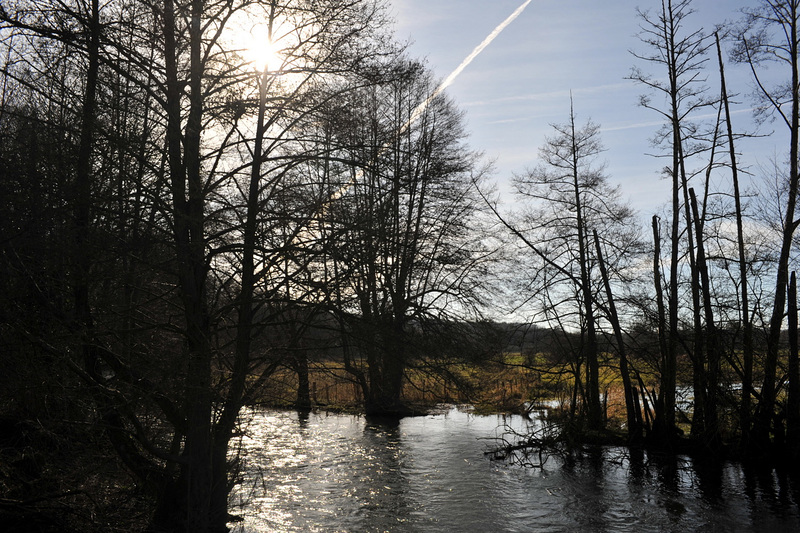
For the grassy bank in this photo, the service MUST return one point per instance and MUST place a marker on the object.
(503, 385)
(491, 386)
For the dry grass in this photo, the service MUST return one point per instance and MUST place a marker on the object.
(506, 385)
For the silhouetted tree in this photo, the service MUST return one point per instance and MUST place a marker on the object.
(681, 55)
(403, 239)
(568, 198)
(771, 34)
(173, 230)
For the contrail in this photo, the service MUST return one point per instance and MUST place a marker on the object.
(421, 107)
(453, 75)
(442, 86)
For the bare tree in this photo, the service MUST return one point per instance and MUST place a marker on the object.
(403, 231)
(682, 55)
(210, 161)
(569, 197)
(745, 313)
(770, 34)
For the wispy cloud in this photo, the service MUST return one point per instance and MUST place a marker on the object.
(551, 95)
(510, 120)
(652, 123)
(635, 125)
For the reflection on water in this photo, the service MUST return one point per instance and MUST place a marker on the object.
(343, 473)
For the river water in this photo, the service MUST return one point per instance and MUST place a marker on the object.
(343, 473)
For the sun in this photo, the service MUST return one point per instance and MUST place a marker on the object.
(260, 50)
(255, 44)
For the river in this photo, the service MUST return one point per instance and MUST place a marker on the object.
(329, 472)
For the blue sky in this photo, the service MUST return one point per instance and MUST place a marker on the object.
(521, 82)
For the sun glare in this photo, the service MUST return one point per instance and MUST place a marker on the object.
(257, 49)
(261, 51)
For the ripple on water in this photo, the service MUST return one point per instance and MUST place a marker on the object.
(341, 473)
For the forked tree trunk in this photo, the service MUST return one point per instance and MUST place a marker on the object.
(766, 408)
(194, 485)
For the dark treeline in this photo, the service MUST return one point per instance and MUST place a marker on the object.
(181, 220)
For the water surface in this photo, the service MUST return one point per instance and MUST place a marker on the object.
(343, 473)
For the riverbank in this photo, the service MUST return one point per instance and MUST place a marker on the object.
(490, 387)
(514, 384)
(510, 384)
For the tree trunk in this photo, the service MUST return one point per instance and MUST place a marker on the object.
(698, 355)
(386, 393)
(244, 326)
(667, 362)
(793, 401)
(747, 334)
(631, 408)
(303, 402)
(666, 423)
(188, 229)
(82, 201)
(710, 433)
(766, 408)
(595, 412)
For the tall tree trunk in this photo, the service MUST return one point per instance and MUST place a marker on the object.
(595, 412)
(766, 408)
(793, 401)
(82, 200)
(747, 334)
(666, 424)
(670, 367)
(698, 355)
(631, 407)
(667, 383)
(188, 229)
(711, 435)
(198, 388)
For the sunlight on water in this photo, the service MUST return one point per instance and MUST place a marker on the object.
(342, 473)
